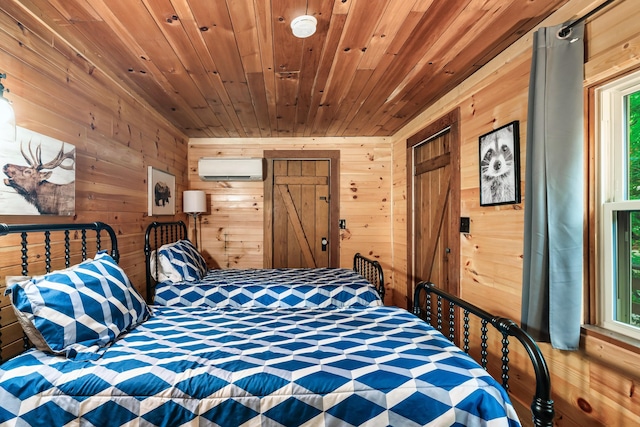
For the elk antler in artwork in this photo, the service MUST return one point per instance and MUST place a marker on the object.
(35, 161)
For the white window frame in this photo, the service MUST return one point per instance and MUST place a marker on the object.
(612, 178)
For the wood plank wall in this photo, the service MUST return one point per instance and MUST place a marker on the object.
(231, 233)
(596, 385)
(58, 93)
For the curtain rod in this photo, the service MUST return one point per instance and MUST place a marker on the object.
(566, 30)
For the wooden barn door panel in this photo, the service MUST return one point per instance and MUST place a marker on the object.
(433, 185)
(300, 213)
(431, 218)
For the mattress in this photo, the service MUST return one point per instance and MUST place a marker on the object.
(258, 366)
(281, 287)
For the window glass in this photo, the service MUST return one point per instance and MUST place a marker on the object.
(619, 198)
(626, 301)
(632, 103)
(629, 310)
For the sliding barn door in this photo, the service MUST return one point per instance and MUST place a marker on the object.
(432, 188)
(434, 179)
(301, 207)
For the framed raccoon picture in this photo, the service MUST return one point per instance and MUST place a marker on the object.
(500, 166)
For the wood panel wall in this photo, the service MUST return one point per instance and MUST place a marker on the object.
(231, 233)
(597, 384)
(55, 91)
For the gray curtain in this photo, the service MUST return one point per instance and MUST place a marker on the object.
(554, 187)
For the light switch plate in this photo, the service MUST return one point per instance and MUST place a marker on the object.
(465, 224)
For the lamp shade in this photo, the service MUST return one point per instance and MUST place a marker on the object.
(194, 201)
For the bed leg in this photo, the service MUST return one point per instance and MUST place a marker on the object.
(543, 412)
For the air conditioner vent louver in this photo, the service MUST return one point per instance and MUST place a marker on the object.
(227, 169)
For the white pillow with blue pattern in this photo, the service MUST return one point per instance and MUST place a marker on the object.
(78, 312)
(180, 261)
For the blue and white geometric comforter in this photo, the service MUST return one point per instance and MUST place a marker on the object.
(230, 367)
(274, 288)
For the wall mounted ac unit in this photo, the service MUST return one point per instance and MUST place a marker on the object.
(226, 169)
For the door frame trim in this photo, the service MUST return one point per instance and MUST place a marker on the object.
(450, 120)
(334, 196)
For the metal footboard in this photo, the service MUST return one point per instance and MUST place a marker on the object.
(440, 311)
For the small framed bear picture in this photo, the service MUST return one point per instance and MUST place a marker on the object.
(161, 192)
(500, 166)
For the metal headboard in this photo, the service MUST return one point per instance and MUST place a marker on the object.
(371, 270)
(156, 235)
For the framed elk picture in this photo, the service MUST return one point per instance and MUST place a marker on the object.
(39, 175)
(162, 192)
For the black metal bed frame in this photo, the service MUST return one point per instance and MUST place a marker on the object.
(156, 235)
(371, 270)
(434, 312)
(47, 230)
(542, 406)
(160, 233)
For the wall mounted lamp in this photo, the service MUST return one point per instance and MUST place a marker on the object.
(7, 116)
(194, 202)
(304, 26)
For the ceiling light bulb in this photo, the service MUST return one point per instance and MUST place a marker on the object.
(304, 26)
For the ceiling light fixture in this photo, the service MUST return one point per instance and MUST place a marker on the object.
(304, 26)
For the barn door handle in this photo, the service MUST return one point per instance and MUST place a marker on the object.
(324, 243)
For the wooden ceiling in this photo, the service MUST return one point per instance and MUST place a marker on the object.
(232, 68)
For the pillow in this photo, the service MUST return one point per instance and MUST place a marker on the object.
(180, 261)
(165, 271)
(79, 311)
(170, 275)
(10, 280)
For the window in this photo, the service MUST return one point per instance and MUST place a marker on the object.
(619, 200)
